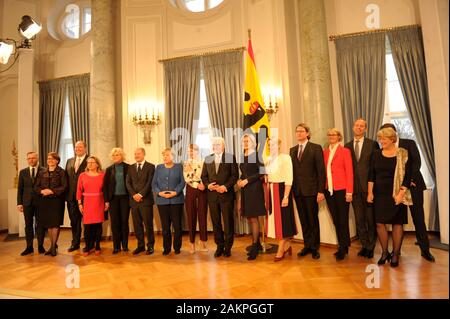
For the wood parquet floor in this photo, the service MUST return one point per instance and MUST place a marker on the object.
(200, 275)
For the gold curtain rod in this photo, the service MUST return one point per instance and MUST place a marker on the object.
(202, 54)
(64, 77)
(346, 35)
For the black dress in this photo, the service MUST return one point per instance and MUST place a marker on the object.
(50, 211)
(382, 175)
(252, 195)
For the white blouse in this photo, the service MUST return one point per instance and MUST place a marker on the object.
(279, 169)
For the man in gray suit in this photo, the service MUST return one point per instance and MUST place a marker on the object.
(139, 186)
(361, 149)
(27, 203)
(74, 167)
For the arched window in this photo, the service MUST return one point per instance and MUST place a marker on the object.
(196, 5)
(76, 21)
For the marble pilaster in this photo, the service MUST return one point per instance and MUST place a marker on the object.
(315, 69)
(102, 122)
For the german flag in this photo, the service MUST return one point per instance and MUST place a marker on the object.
(255, 116)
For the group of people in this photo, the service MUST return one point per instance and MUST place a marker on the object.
(380, 184)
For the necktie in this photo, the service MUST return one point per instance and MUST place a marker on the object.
(217, 163)
(357, 150)
(300, 152)
(77, 164)
(33, 173)
(139, 168)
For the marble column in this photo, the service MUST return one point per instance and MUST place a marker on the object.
(315, 69)
(102, 124)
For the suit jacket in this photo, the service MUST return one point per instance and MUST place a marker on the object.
(309, 173)
(25, 191)
(361, 168)
(341, 169)
(72, 176)
(414, 162)
(227, 175)
(141, 183)
(109, 181)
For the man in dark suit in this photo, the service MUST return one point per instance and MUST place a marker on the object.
(362, 149)
(139, 186)
(417, 187)
(27, 203)
(308, 187)
(219, 174)
(74, 167)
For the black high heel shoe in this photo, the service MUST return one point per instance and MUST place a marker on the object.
(382, 260)
(395, 263)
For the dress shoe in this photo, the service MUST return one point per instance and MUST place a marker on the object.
(305, 251)
(253, 252)
(166, 252)
(149, 251)
(227, 253)
(427, 255)
(340, 255)
(287, 251)
(369, 253)
(98, 252)
(27, 251)
(384, 256)
(219, 252)
(177, 252)
(362, 252)
(53, 251)
(315, 254)
(394, 260)
(138, 250)
(116, 251)
(125, 249)
(73, 248)
(41, 249)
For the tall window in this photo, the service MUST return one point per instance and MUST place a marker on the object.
(204, 134)
(397, 113)
(66, 144)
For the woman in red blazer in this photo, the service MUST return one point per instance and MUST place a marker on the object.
(339, 188)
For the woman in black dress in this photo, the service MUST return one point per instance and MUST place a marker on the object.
(51, 185)
(388, 191)
(252, 192)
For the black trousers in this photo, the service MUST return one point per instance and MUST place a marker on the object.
(365, 221)
(418, 216)
(143, 216)
(93, 236)
(223, 237)
(339, 212)
(308, 212)
(75, 221)
(119, 212)
(171, 215)
(29, 214)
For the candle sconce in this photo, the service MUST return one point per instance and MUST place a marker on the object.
(271, 109)
(146, 123)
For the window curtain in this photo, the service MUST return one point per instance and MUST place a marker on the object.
(182, 98)
(78, 95)
(224, 84)
(52, 98)
(409, 60)
(361, 65)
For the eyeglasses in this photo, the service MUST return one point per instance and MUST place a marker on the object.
(332, 134)
(300, 131)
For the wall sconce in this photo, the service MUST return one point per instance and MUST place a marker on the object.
(146, 123)
(272, 109)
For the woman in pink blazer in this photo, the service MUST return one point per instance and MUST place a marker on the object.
(339, 188)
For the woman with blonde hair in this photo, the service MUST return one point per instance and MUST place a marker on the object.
(252, 192)
(389, 180)
(280, 219)
(91, 204)
(116, 195)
